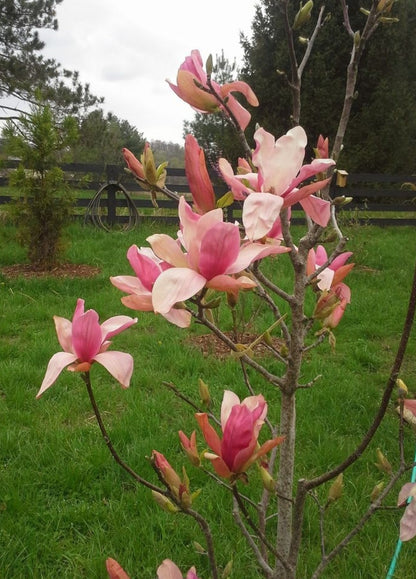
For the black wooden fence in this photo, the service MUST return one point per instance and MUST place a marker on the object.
(109, 196)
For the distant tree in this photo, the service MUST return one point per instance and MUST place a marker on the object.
(382, 127)
(24, 71)
(102, 137)
(43, 209)
(173, 153)
(213, 133)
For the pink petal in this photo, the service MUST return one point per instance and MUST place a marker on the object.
(279, 162)
(144, 267)
(141, 303)
(118, 364)
(114, 570)
(209, 433)
(188, 91)
(405, 492)
(241, 114)
(319, 210)
(237, 437)
(229, 400)
(196, 172)
(241, 87)
(260, 211)
(57, 363)
(168, 570)
(116, 325)
(79, 309)
(219, 249)
(239, 189)
(180, 318)
(408, 522)
(321, 255)
(307, 171)
(325, 279)
(297, 195)
(86, 336)
(410, 405)
(129, 284)
(340, 260)
(226, 283)
(63, 329)
(175, 285)
(250, 252)
(167, 249)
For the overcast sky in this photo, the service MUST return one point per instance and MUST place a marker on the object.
(125, 49)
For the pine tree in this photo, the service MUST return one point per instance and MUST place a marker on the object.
(24, 71)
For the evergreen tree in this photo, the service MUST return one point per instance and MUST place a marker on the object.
(24, 71)
(382, 129)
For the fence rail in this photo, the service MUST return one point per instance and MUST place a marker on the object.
(117, 198)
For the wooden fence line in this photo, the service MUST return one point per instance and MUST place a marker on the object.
(115, 201)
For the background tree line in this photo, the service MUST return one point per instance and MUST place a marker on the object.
(381, 135)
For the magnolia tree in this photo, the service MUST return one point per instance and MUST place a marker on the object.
(184, 279)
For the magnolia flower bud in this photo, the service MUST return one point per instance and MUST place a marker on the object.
(335, 490)
(227, 569)
(403, 391)
(204, 393)
(268, 481)
(303, 15)
(375, 493)
(382, 463)
(164, 503)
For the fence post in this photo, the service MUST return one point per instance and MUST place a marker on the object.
(111, 203)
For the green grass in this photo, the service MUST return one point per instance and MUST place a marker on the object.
(65, 505)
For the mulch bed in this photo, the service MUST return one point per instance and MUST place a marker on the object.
(64, 270)
(210, 345)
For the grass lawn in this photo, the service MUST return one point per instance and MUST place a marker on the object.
(65, 506)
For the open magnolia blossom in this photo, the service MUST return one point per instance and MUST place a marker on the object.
(192, 87)
(84, 341)
(240, 424)
(334, 273)
(213, 258)
(280, 172)
(147, 268)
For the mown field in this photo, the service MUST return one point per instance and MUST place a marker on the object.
(65, 505)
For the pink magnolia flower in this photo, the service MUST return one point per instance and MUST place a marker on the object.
(85, 341)
(196, 172)
(168, 570)
(280, 171)
(334, 273)
(408, 521)
(331, 305)
(213, 257)
(192, 87)
(240, 424)
(147, 268)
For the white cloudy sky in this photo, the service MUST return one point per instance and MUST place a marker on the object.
(125, 49)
